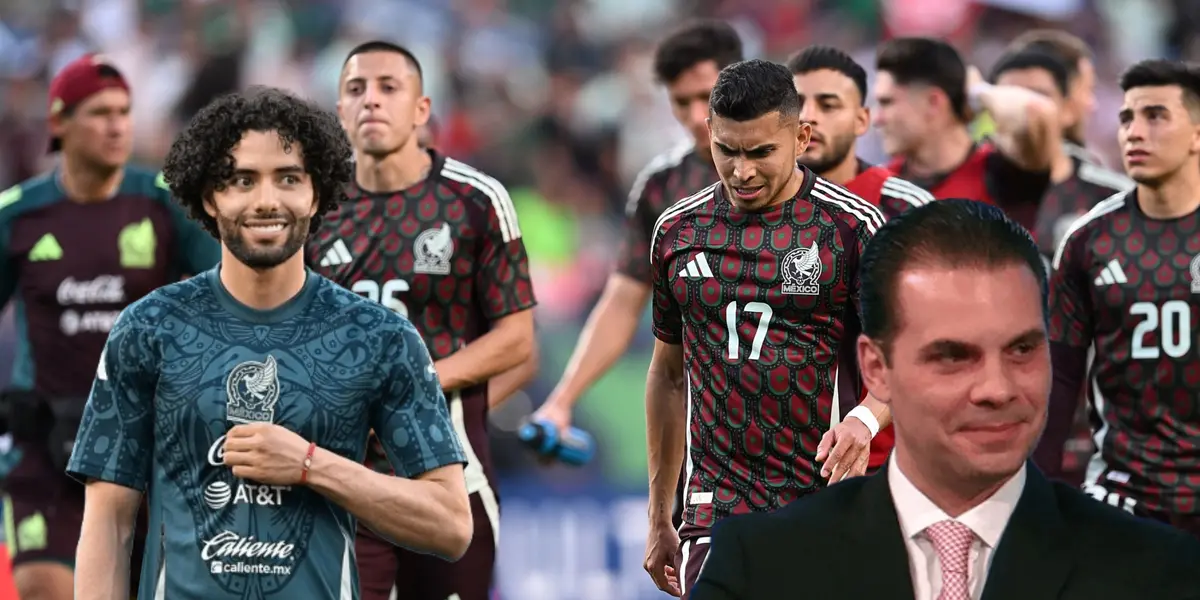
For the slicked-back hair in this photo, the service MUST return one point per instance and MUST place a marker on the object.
(953, 233)
(926, 61)
(1033, 59)
(382, 46)
(1162, 72)
(816, 58)
(693, 43)
(1068, 48)
(752, 88)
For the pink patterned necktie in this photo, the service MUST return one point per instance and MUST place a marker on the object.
(952, 541)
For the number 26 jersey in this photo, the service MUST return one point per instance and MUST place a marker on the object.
(447, 253)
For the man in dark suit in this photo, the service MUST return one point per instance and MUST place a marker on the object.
(953, 307)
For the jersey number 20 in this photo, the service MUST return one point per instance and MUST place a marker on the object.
(385, 294)
(1172, 320)
(764, 312)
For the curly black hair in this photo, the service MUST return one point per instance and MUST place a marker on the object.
(201, 162)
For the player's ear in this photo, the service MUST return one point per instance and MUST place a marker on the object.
(803, 135)
(316, 204)
(862, 121)
(210, 205)
(423, 111)
(872, 363)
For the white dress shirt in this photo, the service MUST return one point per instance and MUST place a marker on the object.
(987, 520)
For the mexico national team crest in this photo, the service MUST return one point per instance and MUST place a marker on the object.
(252, 391)
(801, 269)
(433, 250)
(1195, 270)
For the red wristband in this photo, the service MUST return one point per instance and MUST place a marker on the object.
(312, 449)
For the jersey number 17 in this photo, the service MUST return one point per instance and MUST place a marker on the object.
(764, 312)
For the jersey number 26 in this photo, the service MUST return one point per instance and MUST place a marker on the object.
(385, 294)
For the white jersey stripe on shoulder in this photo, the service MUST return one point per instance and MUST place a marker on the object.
(907, 191)
(687, 204)
(1097, 175)
(865, 211)
(1112, 203)
(671, 158)
(493, 189)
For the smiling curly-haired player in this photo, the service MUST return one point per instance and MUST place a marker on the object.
(240, 400)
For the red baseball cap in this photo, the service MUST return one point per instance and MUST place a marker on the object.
(79, 80)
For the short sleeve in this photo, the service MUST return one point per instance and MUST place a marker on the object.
(115, 442)
(502, 275)
(667, 315)
(1070, 298)
(196, 250)
(633, 256)
(411, 418)
(1012, 185)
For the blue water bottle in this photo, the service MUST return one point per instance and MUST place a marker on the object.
(574, 447)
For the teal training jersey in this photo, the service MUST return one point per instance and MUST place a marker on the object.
(71, 267)
(188, 362)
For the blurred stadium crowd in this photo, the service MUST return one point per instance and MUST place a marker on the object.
(556, 99)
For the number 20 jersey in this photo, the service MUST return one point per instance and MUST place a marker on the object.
(764, 305)
(1129, 285)
(447, 253)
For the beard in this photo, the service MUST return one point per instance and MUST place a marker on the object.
(836, 150)
(263, 257)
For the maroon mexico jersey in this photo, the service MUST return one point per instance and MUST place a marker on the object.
(447, 253)
(764, 306)
(668, 178)
(1129, 286)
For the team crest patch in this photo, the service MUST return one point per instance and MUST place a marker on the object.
(433, 250)
(252, 391)
(801, 269)
(1195, 270)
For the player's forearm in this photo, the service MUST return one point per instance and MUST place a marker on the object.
(1026, 123)
(666, 423)
(605, 337)
(504, 385)
(1070, 369)
(429, 516)
(102, 559)
(507, 345)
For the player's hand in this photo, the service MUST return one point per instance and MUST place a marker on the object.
(266, 453)
(845, 450)
(661, 546)
(555, 412)
(974, 78)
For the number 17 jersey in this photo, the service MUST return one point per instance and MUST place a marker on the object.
(764, 306)
(448, 254)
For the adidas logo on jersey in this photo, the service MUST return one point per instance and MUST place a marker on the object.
(45, 249)
(337, 255)
(696, 268)
(1111, 273)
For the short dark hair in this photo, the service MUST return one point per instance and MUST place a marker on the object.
(816, 58)
(694, 43)
(1068, 48)
(954, 233)
(752, 88)
(201, 161)
(1033, 59)
(917, 60)
(382, 46)
(1162, 72)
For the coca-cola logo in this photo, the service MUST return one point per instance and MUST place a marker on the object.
(105, 289)
(228, 544)
(216, 452)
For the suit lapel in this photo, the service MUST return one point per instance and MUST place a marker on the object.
(880, 556)
(1031, 561)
